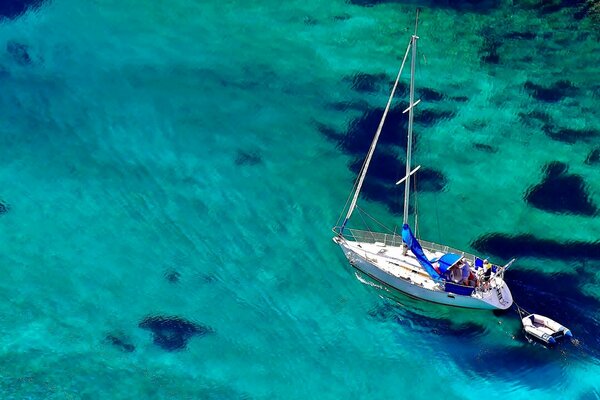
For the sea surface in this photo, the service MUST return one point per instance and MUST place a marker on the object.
(171, 172)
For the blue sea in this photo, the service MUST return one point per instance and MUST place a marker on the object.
(171, 171)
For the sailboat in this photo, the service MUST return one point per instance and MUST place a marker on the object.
(424, 270)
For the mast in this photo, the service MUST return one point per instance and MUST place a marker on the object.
(413, 60)
(365, 166)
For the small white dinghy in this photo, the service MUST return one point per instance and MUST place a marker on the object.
(544, 328)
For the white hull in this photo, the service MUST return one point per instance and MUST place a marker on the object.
(403, 273)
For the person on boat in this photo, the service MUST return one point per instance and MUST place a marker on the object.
(465, 272)
(487, 270)
(472, 279)
(456, 272)
(487, 273)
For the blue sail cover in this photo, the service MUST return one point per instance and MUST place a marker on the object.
(446, 261)
(414, 246)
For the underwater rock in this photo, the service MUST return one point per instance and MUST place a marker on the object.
(308, 20)
(590, 395)
(592, 159)
(342, 17)
(430, 117)
(363, 82)
(12, 9)
(485, 147)
(460, 5)
(385, 193)
(427, 94)
(507, 246)
(430, 180)
(359, 134)
(120, 342)
(570, 135)
(521, 35)
(437, 326)
(172, 276)
(4, 207)
(357, 105)
(389, 169)
(560, 192)
(384, 166)
(207, 278)
(560, 296)
(489, 51)
(391, 195)
(329, 132)
(172, 333)
(522, 364)
(552, 6)
(551, 94)
(247, 158)
(560, 291)
(534, 118)
(361, 130)
(460, 99)
(18, 51)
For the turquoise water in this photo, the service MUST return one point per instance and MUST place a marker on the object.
(187, 160)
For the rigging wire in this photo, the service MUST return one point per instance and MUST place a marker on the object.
(347, 201)
(374, 220)
(416, 206)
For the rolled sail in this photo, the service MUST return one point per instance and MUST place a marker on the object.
(414, 246)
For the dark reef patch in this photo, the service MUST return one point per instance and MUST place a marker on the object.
(560, 192)
(507, 246)
(489, 50)
(593, 394)
(172, 276)
(4, 207)
(430, 117)
(534, 118)
(551, 94)
(388, 169)
(172, 333)
(460, 99)
(120, 342)
(437, 326)
(19, 52)
(308, 20)
(430, 180)
(479, 6)
(571, 135)
(485, 147)
(361, 130)
(356, 105)
(207, 278)
(513, 362)
(384, 166)
(247, 158)
(12, 9)
(561, 298)
(577, 8)
(359, 134)
(363, 82)
(520, 35)
(342, 17)
(427, 94)
(329, 132)
(525, 364)
(385, 193)
(593, 158)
